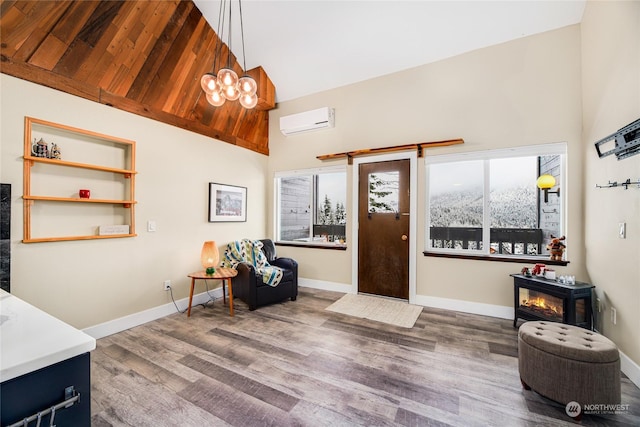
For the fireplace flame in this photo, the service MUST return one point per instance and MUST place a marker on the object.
(541, 303)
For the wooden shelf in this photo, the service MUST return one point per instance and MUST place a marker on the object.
(70, 238)
(78, 200)
(80, 165)
(79, 144)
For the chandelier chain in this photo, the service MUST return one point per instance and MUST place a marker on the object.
(218, 46)
(229, 38)
(244, 58)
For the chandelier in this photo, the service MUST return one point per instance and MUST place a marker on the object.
(225, 85)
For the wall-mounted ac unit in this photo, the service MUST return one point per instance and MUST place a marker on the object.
(321, 118)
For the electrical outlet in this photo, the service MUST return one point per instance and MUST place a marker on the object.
(614, 315)
(166, 285)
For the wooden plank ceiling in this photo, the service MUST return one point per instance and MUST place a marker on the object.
(144, 57)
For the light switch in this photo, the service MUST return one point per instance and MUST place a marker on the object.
(151, 226)
(622, 230)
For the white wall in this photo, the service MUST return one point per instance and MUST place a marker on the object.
(524, 92)
(611, 94)
(86, 283)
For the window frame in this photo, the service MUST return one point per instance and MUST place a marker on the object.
(486, 156)
(313, 200)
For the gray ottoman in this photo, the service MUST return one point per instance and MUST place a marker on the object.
(568, 364)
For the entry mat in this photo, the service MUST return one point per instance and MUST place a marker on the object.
(392, 312)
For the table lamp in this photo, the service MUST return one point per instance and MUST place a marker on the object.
(210, 257)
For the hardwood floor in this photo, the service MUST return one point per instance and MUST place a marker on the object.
(297, 364)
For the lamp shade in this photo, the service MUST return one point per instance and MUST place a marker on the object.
(209, 83)
(227, 77)
(546, 181)
(249, 101)
(216, 99)
(247, 85)
(231, 93)
(210, 255)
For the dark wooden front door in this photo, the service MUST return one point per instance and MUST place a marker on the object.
(383, 233)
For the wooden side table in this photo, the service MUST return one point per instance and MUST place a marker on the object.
(223, 274)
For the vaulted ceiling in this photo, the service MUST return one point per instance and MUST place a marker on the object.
(147, 56)
(309, 46)
(144, 57)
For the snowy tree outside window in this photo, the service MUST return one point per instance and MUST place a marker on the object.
(383, 192)
(488, 202)
(311, 206)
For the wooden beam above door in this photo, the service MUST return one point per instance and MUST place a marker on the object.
(419, 147)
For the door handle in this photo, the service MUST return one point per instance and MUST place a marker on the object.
(404, 237)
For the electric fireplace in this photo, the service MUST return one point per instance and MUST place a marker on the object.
(536, 298)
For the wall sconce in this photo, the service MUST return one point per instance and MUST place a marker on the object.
(546, 182)
(210, 257)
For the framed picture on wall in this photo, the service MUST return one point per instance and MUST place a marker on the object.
(227, 203)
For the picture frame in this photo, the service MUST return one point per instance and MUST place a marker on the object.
(227, 203)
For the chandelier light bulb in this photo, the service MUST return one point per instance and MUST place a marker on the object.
(248, 86)
(231, 93)
(227, 77)
(249, 101)
(209, 83)
(216, 99)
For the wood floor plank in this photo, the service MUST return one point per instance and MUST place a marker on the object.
(233, 406)
(267, 343)
(411, 419)
(147, 369)
(330, 392)
(218, 346)
(371, 332)
(241, 383)
(296, 363)
(306, 413)
(165, 358)
(386, 381)
(139, 402)
(504, 349)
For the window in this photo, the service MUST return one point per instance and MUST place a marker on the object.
(311, 206)
(383, 192)
(487, 203)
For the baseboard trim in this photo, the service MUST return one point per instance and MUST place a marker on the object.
(492, 310)
(325, 286)
(630, 369)
(127, 322)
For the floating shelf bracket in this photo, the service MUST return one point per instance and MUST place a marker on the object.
(625, 184)
(627, 142)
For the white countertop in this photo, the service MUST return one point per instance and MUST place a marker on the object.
(31, 339)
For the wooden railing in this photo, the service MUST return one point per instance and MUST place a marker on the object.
(332, 231)
(506, 239)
